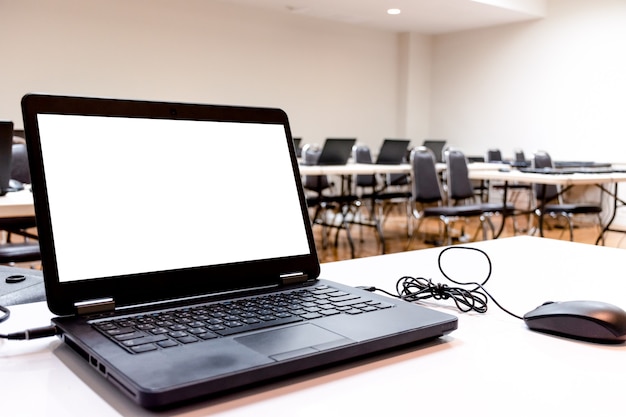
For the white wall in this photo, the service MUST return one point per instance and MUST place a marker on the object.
(332, 79)
(557, 84)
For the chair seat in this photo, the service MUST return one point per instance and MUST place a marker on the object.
(509, 208)
(450, 211)
(572, 208)
(387, 195)
(19, 252)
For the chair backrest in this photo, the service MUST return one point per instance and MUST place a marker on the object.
(545, 193)
(425, 185)
(519, 155)
(362, 155)
(316, 183)
(459, 184)
(297, 144)
(494, 155)
(6, 139)
(19, 163)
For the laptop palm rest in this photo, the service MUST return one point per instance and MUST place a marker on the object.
(293, 341)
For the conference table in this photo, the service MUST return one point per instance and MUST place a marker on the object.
(485, 171)
(367, 169)
(602, 180)
(492, 365)
(17, 204)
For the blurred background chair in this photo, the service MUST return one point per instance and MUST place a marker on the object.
(428, 198)
(26, 247)
(335, 209)
(549, 201)
(461, 191)
(377, 193)
(518, 194)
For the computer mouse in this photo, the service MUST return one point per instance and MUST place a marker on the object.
(592, 321)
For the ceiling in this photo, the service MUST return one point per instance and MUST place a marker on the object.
(420, 16)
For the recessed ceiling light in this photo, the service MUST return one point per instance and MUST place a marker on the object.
(394, 11)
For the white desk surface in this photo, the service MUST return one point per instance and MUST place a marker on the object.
(365, 169)
(557, 179)
(491, 366)
(17, 204)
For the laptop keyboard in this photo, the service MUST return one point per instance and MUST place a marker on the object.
(177, 327)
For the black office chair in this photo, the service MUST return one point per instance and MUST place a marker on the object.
(12, 253)
(316, 184)
(428, 197)
(517, 193)
(27, 250)
(381, 195)
(334, 210)
(494, 155)
(19, 163)
(461, 190)
(550, 200)
(520, 160)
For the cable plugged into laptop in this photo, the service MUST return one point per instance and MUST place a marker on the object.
(28, 334)
(35, 333)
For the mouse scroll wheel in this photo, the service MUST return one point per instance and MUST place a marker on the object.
(547, 302)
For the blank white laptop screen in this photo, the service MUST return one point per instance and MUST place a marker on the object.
(132, 195)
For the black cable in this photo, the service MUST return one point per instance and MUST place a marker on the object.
(6, 313)
(27, 334)
(473, 299)
(30, 334)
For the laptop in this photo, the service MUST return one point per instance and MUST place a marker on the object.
(174, 284)
(436, 145)
(392, 151)
(6, 144)
(336, 151)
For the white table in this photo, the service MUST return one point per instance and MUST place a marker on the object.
(491, 366)
(598, 179)
(514, 175)
(366, 169)
(17, 204)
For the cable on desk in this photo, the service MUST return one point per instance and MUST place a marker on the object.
(5, 313)
(473, 299)
(27, 334)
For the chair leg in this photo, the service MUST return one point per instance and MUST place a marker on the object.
(601, 229)
(415, 230)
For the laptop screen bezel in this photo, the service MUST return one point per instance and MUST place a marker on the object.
(155, 286)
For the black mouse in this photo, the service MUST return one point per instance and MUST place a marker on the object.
(593, 321)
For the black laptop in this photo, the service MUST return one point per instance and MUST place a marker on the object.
(392, 151)
(437, 146)
(173, 283)
(336, 151)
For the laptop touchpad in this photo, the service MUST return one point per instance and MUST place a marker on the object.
(293, 341)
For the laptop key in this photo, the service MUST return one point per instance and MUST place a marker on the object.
(187, 339)
(311, 316)
(167, 343)
(144, 348)
(127, 336)
(144, 340)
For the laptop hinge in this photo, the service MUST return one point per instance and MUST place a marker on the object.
(294, 278)
(101, 305)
